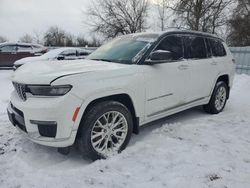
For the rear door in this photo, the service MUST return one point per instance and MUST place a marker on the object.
(24, 51)
(68, 54)
(201, 69)
(219, 60)
(82, 53)
(7, 55)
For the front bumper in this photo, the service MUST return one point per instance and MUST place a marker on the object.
(16, 117)
(46, 121)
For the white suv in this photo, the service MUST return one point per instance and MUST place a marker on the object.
(128, 82)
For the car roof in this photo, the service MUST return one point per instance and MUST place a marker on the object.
(20, 43)
(61, 49)
(177, 31)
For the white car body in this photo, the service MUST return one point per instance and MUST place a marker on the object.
(156, 91)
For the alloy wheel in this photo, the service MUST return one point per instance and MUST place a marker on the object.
(220, 98)
(109, 133)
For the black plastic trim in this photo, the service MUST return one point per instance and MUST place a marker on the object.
(46, 128)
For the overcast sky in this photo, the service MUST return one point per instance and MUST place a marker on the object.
(18, 17)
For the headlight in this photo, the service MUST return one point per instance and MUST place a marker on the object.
(46, 90)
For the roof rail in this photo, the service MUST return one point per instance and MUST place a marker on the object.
(181, 28)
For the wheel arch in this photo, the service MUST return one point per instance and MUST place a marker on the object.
(123, 98)
(224, 78)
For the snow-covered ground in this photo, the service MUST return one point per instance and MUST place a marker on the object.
(190, 149)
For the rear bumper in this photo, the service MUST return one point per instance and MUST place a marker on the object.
(46, 121)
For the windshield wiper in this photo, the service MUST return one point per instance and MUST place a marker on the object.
(102, 60)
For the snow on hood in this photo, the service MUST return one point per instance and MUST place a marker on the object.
(30, 59)
(45, 72)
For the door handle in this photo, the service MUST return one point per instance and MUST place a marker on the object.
(214, 63)
(183, 67)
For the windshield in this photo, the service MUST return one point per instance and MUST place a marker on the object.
(123, 49)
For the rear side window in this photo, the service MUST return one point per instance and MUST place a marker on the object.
(194, 47)
(8, 48)
(36, 47)
(217, 48)
(82, 53)
(172, 44)
(209, 50)
(69, 53)
(24, 48)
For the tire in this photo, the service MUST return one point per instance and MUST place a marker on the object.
(217, 104)
(98, 131)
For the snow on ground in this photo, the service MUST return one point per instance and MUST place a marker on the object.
(190, 149)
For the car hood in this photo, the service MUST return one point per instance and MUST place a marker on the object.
(45, 72)
(30, 59)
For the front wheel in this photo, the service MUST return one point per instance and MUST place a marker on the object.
(106, 130)
(218, 99)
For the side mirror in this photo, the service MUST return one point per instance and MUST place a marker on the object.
(159, 56)
(60, 57)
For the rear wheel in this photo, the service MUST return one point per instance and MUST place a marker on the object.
(106, 130)
(218, 99)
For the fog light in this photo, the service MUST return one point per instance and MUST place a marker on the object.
(46, 128)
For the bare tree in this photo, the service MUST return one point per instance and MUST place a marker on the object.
(95, 42)
(162, 7)
(118, 17)
(203, 15)
(240, 24)
(55, 37)
(37, 37)
(26, 38)
(2, 39)
(69, 40)
(81, 41)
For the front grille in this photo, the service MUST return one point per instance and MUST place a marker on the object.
(20, 89)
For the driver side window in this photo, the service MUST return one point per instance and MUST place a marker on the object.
(172, 44)
(68, 53)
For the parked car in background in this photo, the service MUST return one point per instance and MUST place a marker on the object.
(65, 53)
(10, 52)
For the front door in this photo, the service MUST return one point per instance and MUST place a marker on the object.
(165, 83)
